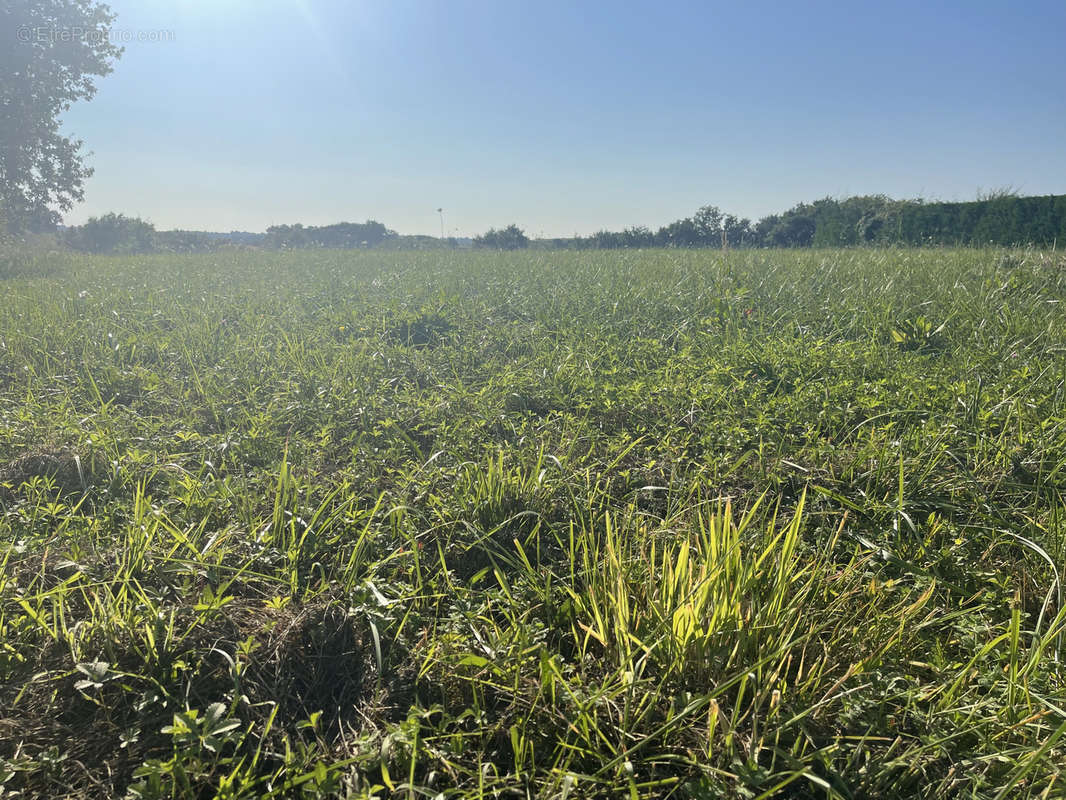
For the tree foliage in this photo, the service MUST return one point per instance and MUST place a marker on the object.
(342, 235)
(112, 233)
(1000, 219)
(510, 238)
(52, 52)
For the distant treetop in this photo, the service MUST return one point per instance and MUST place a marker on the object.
(510, 238)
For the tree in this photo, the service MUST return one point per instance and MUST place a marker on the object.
(702, 229)
(342, 235)
(52, 51)
(707, 222)
(510, 238)
(737, 231)
(112, 233)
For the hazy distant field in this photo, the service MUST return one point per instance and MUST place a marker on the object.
(636, 524)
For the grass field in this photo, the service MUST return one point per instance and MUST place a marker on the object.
(628, 525)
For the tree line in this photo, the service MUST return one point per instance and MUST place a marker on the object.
(1002, 219)
(120, 234)
(342, 235)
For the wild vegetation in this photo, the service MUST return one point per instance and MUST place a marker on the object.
(875, 220)
(634, 524)
(1001, 218)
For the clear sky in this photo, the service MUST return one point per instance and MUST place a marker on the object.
(565, 116)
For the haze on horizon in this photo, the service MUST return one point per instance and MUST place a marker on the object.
(564, 118)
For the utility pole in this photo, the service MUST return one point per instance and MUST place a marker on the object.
(441, 212)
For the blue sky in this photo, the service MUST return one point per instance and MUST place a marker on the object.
(565, 117)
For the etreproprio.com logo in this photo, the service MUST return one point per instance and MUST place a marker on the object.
(49, 34)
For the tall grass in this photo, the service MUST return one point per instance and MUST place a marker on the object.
(628, 524)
